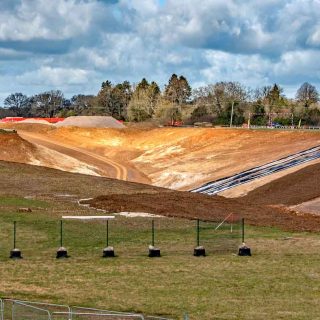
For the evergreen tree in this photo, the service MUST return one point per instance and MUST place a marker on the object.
(178, 90)
(143, 101)
(114, 100)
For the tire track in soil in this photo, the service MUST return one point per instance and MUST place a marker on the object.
(102, 163)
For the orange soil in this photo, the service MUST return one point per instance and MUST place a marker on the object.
(15, 149)
(179, 158)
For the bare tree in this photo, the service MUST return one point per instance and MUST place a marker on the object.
(16, 101)
(307, 94)
(47, 104)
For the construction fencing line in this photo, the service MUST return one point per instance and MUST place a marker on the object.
(32, 307)
(40, 310)
(124, 315)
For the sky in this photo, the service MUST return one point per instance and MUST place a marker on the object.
(74, 45)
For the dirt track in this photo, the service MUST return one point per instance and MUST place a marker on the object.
(105, 165)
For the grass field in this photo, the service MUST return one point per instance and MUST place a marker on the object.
(280, 281)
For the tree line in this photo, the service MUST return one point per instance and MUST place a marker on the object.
(215, 103)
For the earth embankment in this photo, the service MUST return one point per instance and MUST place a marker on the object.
(16, 149)
(183, 158)
(269, 205)
(117, 196)
(176, 158)
(292, 189)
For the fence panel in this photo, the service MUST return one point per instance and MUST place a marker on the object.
(22, 311)
(11, 309)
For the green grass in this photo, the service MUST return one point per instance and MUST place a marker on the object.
(21, 202)
(280, 281)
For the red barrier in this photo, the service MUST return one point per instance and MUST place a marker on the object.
(18, 119)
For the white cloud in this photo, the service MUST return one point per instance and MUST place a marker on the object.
(56, 77)
(299, 64)
(41, 19)
(252, 70)
(76, 44)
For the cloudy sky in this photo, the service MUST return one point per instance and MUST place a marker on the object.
(74, 45)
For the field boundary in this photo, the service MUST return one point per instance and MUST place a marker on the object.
(15, 309)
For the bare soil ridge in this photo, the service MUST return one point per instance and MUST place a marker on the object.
(119, 196)
(268, 205)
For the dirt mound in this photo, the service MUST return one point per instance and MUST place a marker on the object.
(36, 121)
(15, 179)
(14, 148)
(193, 206)
(123, 196)
(90, 122)
(269, 205)
(292, 189)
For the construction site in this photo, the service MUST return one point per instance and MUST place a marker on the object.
(98, 165)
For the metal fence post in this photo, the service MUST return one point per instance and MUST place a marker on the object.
(198, 232)
(1, 309)
(152, 233)
(242, 226)
(61, 233)
(107, 233)
(14, 234)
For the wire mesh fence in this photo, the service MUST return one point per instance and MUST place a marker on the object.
(11, 309)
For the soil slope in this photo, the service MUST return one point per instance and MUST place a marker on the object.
(176, 158)
(25, 180)
(14, 148)
(268, 205)
(182, 158)
(292, 189)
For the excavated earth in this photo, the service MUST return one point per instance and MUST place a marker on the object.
(119, 196)
(176, 158)
(269, 205)
(183, 158)
(180, 158)
(14, 148)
